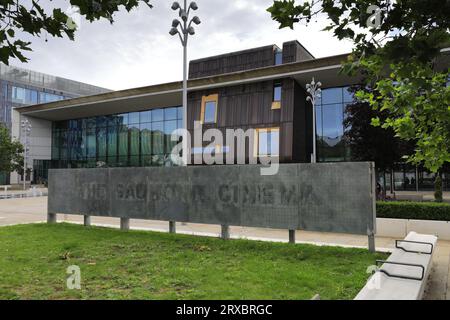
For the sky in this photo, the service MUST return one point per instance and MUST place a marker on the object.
(137, 49)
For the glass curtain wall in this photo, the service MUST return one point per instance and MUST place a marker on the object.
(121, 140)
(330, 109)
(330, 113)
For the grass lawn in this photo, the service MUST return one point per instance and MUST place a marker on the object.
(151, 265)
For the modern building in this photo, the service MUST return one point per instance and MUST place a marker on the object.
(261, 89)
(21, 87)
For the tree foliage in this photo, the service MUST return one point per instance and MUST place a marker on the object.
(370, 143)
(418, 109)
(30, 17)
(11, 152)
(397, 45)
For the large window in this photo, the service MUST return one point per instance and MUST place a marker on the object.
(209, 108)
(130, 139)
(24, 96)
(267, 142)
(330, 110)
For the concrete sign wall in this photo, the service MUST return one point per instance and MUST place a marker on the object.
(334, 197)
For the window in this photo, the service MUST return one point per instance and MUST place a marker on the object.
(18, 94)
(267, 142)
(129, 139)
(330, 115)
(24, 96)
(209, 108)
(276, 103)
(45, 97)
(278, 57)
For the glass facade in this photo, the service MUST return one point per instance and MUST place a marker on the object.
(330, 115)
(21, 87)
(45, 97)
(122, 140)
(41, 80)
(330, 110)
(24, 96)
(406, 177)
(40, 171)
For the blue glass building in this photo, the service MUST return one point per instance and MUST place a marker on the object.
(21, 87)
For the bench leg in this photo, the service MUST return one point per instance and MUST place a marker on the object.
(124, 224)
(292, 236)
(225, 231)
(87, 221)
(371, 238)
(172, 227)
(51, 218)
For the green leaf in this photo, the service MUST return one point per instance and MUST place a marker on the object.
(376, 122)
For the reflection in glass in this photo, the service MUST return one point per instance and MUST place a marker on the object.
(101, 143)
(122, 118)
(133, 118)
(129, 139)
(331, 95)
(112, 141)
(158, 137)
(134, 134)
(329, 124)
(91, 143)
(169, 127)
(170, 114)
(157, 115)
(146, 138)
(146, 116)
(123, 141)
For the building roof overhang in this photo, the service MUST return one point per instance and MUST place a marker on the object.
(325, 70)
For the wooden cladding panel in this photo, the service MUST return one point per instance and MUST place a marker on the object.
(250, 106)
(293, 51)
(289, 52)
(233, 62)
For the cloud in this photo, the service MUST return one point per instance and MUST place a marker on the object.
(138, 51)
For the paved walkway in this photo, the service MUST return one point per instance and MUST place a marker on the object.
(32, 210)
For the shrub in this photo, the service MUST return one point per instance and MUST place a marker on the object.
(413, 210)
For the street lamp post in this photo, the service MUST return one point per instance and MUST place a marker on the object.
(183, 27)
(26, 132)
(315, 92)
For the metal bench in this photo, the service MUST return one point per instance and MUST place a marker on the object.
(404, 274)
